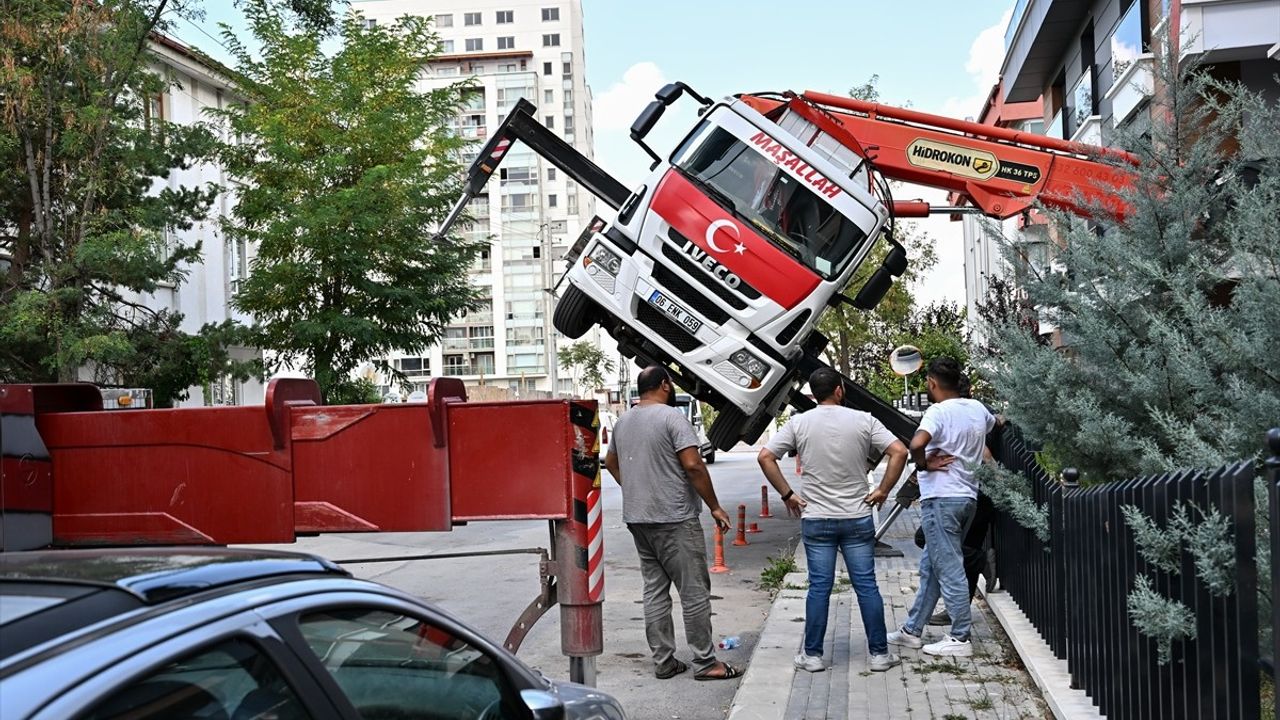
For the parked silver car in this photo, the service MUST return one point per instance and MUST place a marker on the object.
(248, 634)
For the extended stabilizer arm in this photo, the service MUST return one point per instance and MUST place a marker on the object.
(521, 124)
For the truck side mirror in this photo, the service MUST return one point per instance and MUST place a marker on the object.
(896, 261)
(643, 124)
(647, 119)
(669, 93)
(874, 291)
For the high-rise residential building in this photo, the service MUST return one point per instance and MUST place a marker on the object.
(530, 213)
(1080, 69)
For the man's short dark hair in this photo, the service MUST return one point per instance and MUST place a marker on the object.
(823, 383)
(945, 371)
(651, 378)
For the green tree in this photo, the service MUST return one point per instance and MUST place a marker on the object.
(1167, 318)
(85, 232)
(346, 168)
(587, 362)
(860, 341)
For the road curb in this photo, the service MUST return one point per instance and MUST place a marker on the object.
(766, 686)
(1048, 672)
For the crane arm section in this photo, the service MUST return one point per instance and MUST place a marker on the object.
(1000, 170)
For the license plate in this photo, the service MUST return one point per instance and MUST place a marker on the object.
(677, 313)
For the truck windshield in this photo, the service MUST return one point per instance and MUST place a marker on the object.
(786, 212)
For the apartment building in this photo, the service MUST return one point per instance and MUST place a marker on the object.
(1080, 69)
(531, 212)
(205, 297)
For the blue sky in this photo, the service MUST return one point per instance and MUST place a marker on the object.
(936, 56)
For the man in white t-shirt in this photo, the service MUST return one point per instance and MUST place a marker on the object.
(835, 443)
(948, 446)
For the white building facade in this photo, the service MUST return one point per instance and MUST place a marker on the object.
(195, 86)
(530, 212)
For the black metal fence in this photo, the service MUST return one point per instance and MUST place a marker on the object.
(1074, 589)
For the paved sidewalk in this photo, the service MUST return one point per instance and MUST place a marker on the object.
(991, 684)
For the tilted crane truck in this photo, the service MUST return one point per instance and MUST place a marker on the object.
(720, 264)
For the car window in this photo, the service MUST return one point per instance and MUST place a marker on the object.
(396, 667)
(233, 680)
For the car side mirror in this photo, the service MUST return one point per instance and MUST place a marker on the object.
(542, 705)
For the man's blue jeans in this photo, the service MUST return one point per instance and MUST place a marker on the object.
(944, 521)
(856, 540)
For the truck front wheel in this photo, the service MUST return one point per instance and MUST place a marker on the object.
(574, 314)
(727, 428)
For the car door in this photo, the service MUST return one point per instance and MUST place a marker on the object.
(382, 659)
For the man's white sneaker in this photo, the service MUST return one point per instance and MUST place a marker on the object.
(950, 647)
(904, 639)
(880, 663)
(809, 663)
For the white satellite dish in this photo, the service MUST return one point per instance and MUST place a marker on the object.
(417, 396)
(906, 359)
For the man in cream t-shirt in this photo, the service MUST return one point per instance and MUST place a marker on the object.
(834, 443)
(947, 449)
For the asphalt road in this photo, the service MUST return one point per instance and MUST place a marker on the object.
(490, 592)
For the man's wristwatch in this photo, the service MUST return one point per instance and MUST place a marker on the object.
(788, 495)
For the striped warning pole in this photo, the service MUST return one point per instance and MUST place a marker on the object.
(595, 547)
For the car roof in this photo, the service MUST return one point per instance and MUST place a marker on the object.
(49, 593)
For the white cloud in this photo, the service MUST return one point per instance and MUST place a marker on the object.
(617, 107)
(986, 56)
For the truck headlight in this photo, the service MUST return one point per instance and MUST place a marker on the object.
(603, 258)
(752, 365)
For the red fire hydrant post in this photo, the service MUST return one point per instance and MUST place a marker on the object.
(741, 539)
(764, 502)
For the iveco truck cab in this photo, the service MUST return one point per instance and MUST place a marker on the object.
(721, 263)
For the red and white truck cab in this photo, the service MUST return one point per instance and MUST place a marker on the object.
(728, 255)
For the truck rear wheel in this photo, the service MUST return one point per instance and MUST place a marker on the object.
(574, 314)
(727, 428)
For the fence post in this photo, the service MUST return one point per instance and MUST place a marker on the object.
(1272, 477)
(1058, 556)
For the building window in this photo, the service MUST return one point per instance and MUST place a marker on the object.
(548, 96)
(568, 70)
(546, 68)
(444, 21)
(370, 23)
(551, 202)
(550, 14)
(506, 16)
(506, 43)
(551, 174)
(551, 40)
(446, 46)
(475, 44)
(1126, 41)
(509, 68)
(572, 206)
(550, 121)
(471, 18)
(537, 250)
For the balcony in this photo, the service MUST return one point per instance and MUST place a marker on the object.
(1226, 30)
(1040, 33)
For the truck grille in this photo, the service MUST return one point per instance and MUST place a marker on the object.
(666, 328)
(685, 293)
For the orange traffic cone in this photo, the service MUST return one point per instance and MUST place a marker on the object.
(741, 539)
(718, 566)
(764, 502)
(753, 528)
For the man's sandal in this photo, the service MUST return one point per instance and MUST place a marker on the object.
(675, 668)
(730, 672)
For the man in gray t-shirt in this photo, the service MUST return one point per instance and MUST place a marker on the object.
(654, 457)
(834, 443)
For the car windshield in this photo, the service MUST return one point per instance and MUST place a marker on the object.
(779, 206)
